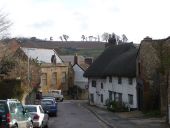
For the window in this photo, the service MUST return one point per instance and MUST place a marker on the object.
(101, 96)
(130, 81)
(54, 78)
(101, 85)
(110, 95)
(130, 99)
(41, 110)
(119, 80)
(44, 78)
(93, 83)
(12, 107)
(2, 107)
(118, 97)
(63, 77)
(110, 79)
(92, 98)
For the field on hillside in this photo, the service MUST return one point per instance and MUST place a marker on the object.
(84, 52)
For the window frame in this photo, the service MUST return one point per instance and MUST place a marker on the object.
(110, 79)
(119, 80)
(44, 78)
(130, 99)
(130, 81)
(93, 83)
(101, 98)
(54, 79)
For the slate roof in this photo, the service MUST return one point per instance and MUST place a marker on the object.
(116, 60)
(42, 55)
(62, 44)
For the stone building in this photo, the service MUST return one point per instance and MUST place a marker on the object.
(153, 64)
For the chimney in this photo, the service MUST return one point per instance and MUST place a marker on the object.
(89, 60)
(75, 59)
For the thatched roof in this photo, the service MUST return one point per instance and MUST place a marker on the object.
(116, 60)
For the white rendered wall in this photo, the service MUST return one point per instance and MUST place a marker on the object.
(79, 79)
(123, 88)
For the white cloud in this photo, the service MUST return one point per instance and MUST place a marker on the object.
(135, 18)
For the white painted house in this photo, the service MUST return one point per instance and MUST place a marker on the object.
(113, 76)
(79, 69)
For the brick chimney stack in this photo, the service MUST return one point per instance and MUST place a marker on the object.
(75, 59)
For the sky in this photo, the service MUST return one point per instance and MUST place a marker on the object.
(52, 18)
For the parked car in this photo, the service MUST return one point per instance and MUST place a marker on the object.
(49, 97)
(50, 106)
(13, 115)
(40, 118)
(57, 94)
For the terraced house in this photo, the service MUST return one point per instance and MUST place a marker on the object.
(112, 76)
(54, 73)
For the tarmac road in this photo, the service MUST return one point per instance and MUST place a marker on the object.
(73, 115)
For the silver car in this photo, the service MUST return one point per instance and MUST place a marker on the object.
(40, 118)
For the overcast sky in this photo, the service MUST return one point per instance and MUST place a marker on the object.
(44, 18)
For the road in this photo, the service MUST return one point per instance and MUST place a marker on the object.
(72, 115)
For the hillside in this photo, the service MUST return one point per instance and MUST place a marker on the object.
(84, 48)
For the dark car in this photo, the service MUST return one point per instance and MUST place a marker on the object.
(12, 115)
(49, 106)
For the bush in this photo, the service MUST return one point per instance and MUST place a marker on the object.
(11, 89)
(116, 106)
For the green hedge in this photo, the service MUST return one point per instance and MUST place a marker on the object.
(11, 89)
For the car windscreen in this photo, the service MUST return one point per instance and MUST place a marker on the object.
(2, 107)
(31, 108)
(47, 102)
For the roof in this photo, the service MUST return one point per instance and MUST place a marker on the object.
(70, 58)
(62, 44)
(42, 55)
(116, 60)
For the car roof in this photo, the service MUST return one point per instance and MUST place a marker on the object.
(48, 99)
(32, 105)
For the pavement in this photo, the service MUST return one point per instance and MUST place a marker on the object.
(133, 119)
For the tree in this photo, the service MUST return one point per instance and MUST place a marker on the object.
(5, 24)
(61, 38)
(90, 38)
(112, 38)
(105, 36)
(124, 38)
(65, 37)
(83, 37)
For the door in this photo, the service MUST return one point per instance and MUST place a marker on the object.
(23, 121)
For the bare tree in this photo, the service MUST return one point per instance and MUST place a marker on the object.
(5, 24)
(124, 38)
(90, 38)
(95, 38)
(61, 38)
(83, 37)
(105, 36)
(65, 37)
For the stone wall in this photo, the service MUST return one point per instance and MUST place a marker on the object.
(151, 57)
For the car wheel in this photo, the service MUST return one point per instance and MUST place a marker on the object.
(61, 100)
(15, 126)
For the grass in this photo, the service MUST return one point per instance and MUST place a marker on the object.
(152, 113)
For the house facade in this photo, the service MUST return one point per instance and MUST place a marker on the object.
(79, 80)
(113, 76)
(19, 71)
(79, 66)
(54, 73)
(153, 68)
(120, 89)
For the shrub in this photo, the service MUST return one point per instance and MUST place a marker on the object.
(116, 106)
